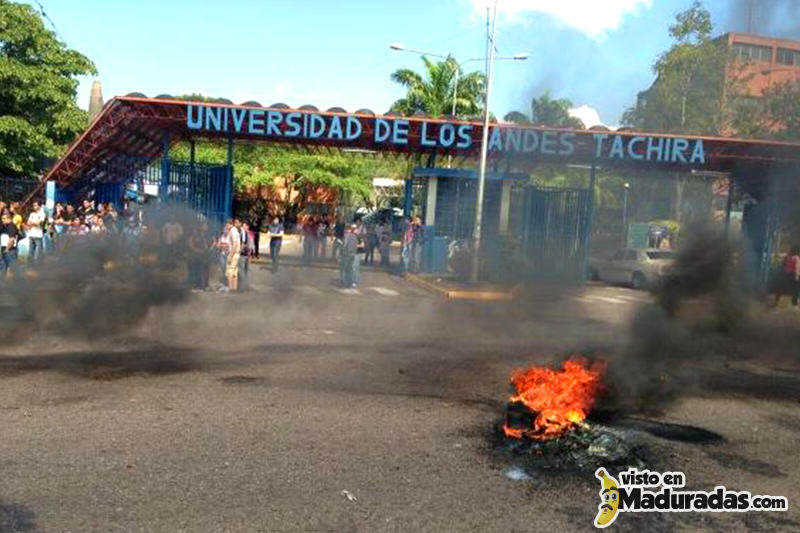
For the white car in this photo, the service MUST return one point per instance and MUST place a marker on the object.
(640, 268)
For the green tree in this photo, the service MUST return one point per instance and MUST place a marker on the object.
(782, 104)
(432, 93)
(547, 111)
(38, 112)
(687, 96)
(516, 117)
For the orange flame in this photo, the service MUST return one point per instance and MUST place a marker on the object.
(560, 399)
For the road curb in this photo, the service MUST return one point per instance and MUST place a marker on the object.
(465, 294)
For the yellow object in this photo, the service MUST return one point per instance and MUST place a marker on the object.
(607, 510)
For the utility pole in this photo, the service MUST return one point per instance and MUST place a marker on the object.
(484, 145)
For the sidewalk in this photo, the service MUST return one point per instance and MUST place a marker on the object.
(292, 254)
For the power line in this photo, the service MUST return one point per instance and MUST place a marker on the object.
(44, 15)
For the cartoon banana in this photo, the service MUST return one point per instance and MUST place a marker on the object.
(609, 494)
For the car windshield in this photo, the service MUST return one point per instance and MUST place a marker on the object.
(661, 255)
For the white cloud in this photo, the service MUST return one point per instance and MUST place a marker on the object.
(588, 115)
(592, 17)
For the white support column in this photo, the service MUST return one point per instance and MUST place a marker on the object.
(430, 205)
(505, 205)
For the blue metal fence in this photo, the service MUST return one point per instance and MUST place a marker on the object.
(553, 232)
(203, 187)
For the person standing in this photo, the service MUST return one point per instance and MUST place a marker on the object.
(234, 245)
(256, 223)
(35, 230)
(196, 259)
(348, 256)
(322, 236)
(791, 275)
(309, 240)
(338, 237)
(171, 236)
(417, 243)
(86, 209)
(222, 247)
(370, 243)
(359, 258)
(407, 240)
(244, 257)
(9, 236)
(385, 242)
(275, 241)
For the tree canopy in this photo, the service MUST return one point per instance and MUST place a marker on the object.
(432, 93)
(690, 78)
(38, 111)
(782, 104)
(547, 111)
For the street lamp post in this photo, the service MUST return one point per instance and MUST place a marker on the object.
(625, 214)
(489, 58)
(459, 65)
(476, 236)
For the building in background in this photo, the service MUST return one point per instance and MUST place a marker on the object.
(754, 64)
(757, 62)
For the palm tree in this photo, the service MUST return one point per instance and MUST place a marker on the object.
(547, 111)
(433, 94)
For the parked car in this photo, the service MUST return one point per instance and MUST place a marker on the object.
(640, 268)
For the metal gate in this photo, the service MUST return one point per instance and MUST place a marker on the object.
(554, 232)
(204, 188)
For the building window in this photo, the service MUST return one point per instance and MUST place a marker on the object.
(788, 57)
(751, 52)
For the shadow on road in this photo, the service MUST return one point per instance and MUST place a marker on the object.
(15, 517)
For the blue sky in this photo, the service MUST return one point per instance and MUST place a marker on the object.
(335, 53)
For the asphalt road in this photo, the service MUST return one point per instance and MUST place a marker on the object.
(257, 411)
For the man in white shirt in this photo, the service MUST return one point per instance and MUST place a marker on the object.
(35, 230)
(234, 250)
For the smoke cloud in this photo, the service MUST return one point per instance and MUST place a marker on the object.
(707, 314)
(99, 285)
(773, 18)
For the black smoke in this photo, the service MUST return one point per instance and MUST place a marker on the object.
(99, 285)
(772, 18)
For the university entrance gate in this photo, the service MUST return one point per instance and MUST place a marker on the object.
(130, 141)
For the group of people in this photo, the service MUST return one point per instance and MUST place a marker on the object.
(351, 244)
(235, 246)
(45, 232)
(358, 241)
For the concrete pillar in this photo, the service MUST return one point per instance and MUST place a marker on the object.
(505, 205)
(430, 204)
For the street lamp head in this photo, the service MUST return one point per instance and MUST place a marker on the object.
(520, 57)
(396, 46)
(627, 185)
